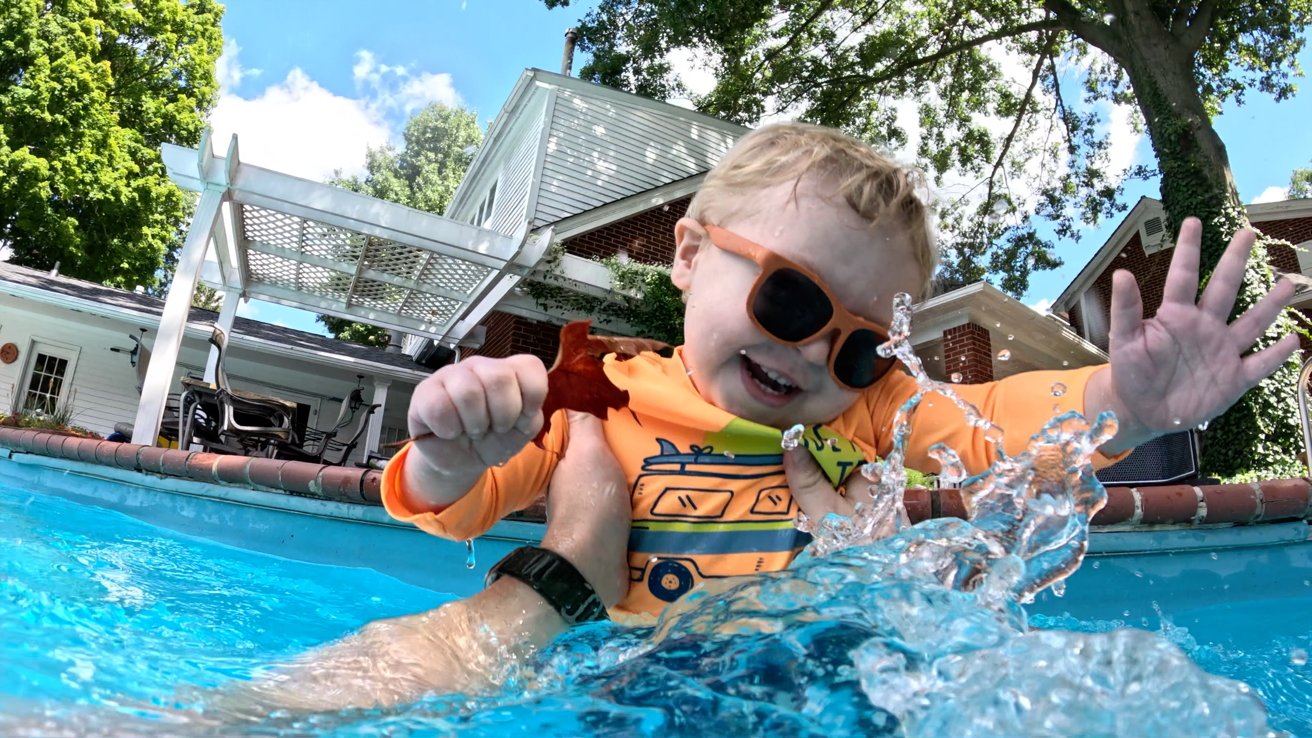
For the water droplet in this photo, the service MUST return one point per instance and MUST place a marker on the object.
(1175, 421)
(1004, 355)
(1058, 389)
(997, 325)
(470, 561)
(1125, 254)
(956, 377)
(689, 370)
(1213, 556)
(935, 358)
(728, 454)
(833, 443)
(1203, 425)
(1109, 19)
(742, 352)
(792, 437)
(1138, 574)
(1011, 336)
(963, 360)
(1298, 657)
(1096, 564)
(1065, 362)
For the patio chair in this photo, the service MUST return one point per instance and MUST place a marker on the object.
(257, 423)
(314, 442)
(330, 450)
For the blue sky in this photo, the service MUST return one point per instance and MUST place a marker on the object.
(308, 85)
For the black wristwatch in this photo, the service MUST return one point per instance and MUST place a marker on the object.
(551, 576)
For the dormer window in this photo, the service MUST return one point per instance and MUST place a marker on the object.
(484, 213)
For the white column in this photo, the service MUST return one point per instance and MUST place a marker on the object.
(172, 324)
(376, 422)
(227, 314)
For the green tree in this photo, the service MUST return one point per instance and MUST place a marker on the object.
(438, 145)
(1300, 183)
(842, 62)
(88, 93)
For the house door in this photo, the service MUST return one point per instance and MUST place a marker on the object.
(48, 378)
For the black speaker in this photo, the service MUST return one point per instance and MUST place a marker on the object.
(1169, 458)
(434, 355)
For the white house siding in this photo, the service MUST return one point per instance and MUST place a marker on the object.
(511, 167)
(104, 381)
(601, 149)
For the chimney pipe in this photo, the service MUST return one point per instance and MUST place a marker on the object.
(567, 61)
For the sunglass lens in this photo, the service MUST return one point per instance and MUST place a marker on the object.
(858, 364)
(791, 306)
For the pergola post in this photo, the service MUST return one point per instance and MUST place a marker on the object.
(375, 432)
(173, 322)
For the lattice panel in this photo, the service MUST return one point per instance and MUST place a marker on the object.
(296, 275)
(337, 264)
(305, 236)
(455, 275)
(378, 295)
(390, 257)
(278, 229)
(429, 308)
(331, 242)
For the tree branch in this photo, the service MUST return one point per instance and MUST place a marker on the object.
(902, 67)
(1195, 33)
(1060, 103)
(1035, 76)
(906, 66)
(1095, 33)
(820, 10)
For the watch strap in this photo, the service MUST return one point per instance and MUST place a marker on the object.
(555, 579)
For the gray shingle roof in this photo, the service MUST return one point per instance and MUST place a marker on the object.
(125, 300)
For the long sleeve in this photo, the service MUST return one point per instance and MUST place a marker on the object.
(500, 491)
(1021, 405)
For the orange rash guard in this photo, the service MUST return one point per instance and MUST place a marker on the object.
(710, 498)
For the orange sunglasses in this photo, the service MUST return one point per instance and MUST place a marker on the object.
(792, 305)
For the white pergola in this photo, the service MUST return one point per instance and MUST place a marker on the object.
(321, 248)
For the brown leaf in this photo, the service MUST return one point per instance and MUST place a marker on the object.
(578, 381)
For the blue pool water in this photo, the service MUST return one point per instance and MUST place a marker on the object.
(103, 616)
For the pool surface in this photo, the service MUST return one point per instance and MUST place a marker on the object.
(104, 616)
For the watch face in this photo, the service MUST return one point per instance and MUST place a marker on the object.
(555, 579)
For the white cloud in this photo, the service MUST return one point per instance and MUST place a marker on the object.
(1120, 130)
(396, 87)
(300, 128)
(1272, 194)
(1043, 306)
(228, 70)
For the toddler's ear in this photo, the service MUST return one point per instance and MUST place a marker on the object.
(689, 237)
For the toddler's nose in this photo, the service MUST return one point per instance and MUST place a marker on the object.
(816, 350)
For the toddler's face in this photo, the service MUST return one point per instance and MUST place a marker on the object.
(743, 370)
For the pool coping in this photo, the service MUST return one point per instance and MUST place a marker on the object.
(1127, 508)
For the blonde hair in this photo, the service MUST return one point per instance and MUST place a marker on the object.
(880, 190)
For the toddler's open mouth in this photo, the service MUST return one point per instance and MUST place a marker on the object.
(765, 385)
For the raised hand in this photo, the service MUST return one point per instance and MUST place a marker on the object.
(1188, 363)
(470, 416)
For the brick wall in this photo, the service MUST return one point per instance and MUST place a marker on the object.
(1293, 230)
(968, 350)
(1150, 271)
(513, 334)
(648, 237)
